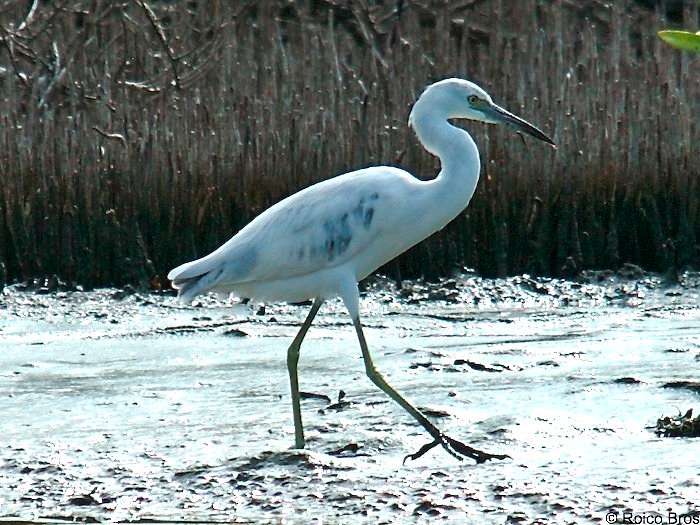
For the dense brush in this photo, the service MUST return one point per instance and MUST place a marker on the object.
(133, 138)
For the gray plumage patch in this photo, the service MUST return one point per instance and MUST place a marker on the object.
(338, 235)
(244, 264)
(363, 212)
(338, 231)
(367, 219)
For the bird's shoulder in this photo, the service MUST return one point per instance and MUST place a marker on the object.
(357, 182)
(332, 196)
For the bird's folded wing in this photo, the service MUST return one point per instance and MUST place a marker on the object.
(323, 226)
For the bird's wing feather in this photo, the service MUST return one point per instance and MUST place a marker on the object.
(322, 226)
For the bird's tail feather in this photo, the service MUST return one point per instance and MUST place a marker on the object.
(190, 287)
(195, 277)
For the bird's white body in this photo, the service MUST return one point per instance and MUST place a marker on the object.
(339, 231)
(319, 242)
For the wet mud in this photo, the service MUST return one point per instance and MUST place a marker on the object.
(121, 405)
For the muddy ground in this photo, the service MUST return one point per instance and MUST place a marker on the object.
(120, 405)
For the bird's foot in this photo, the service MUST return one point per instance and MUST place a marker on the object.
(457, 449)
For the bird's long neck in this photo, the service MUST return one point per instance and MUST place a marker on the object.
(450, 192)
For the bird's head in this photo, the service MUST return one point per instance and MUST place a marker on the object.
(457, 98)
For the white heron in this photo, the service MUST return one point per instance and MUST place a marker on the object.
(320, 242)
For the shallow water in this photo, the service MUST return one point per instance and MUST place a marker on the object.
(133, 407)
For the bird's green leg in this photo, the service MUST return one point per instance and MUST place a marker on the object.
(292, 361)
(454, 447)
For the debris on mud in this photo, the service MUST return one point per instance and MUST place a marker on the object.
(434, 412)
(349, 449)
(481, 367)
(235, 332)
(85, 500)
(341, 404)
(313, 395)
(676, 350)
(693, 386)
(627, 381)
(679, 426)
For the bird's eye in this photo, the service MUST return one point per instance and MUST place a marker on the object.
(473, 99)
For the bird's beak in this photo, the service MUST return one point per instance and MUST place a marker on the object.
(500, 115)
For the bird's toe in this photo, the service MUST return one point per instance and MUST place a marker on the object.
(456, 449)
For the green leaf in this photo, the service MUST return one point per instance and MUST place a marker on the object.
(682, 39)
